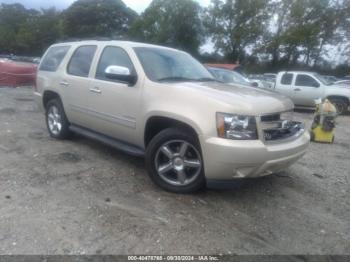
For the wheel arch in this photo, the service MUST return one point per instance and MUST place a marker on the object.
(344, 98)
(49, 95)
(157, 123)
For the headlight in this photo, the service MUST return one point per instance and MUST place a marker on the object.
(236, 127)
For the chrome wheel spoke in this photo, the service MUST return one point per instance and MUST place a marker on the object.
(181, 176)
(172, 165)
(167, 151)
(51, 117)
(195, 163)
(183, 149)
(59, 126)
(165, 168)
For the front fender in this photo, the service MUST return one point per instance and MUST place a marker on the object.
(174, 116)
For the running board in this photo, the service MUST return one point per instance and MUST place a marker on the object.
(127, 148)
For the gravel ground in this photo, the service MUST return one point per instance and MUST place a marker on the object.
(80, 197)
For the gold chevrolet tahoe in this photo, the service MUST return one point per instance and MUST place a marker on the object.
(162, 104)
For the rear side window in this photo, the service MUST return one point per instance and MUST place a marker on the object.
(113, 55)
(81, 60)
(53, 58)
(287, 79)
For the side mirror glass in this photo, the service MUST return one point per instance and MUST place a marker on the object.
(121, 74)
(317, 85)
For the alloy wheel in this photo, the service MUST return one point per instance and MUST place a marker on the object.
(54, 120)
(178, 162)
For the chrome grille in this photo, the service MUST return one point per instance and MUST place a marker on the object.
(280, 126)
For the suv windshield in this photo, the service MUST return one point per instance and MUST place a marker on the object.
(162, 64)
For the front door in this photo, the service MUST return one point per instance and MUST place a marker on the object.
(306, 90)
(115, 104)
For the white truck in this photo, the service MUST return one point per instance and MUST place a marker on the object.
(305, 87)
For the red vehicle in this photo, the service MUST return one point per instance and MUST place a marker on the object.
(15, 74)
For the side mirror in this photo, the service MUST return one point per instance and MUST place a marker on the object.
(121, 74)
(316, 85)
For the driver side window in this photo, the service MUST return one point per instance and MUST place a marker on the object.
(305, 80)
(116, 56)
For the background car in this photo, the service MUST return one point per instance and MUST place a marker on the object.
(331, 79)
(343, 83)
(262, 81)
(303, 88)
(270, 77)
(230, 77)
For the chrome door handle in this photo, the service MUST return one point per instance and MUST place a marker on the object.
(95, 90)
(64, 83)
(297, 89)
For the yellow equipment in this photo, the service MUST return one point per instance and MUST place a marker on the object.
(323, 126)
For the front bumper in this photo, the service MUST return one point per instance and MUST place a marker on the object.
(226, 159)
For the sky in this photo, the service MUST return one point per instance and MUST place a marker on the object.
(137, 5)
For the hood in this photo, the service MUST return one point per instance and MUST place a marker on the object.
(242, 99)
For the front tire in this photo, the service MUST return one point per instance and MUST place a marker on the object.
(56, 120)
(174, 161)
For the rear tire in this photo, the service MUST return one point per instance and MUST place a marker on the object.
(56, 120)
(174, 161)
(340, 104)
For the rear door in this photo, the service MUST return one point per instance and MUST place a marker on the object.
(306, 90)
(75, 83)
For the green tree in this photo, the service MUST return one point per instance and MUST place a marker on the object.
(175, 23)
(27, 31)
(302, 30)
(273, 38)
(39, 32)
(343, 32)
(234, 25)
(12, 17)
(104, 18)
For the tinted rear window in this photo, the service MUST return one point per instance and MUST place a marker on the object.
(53, 58)
(81, 60)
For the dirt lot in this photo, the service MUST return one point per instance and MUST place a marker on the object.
(80, 197)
